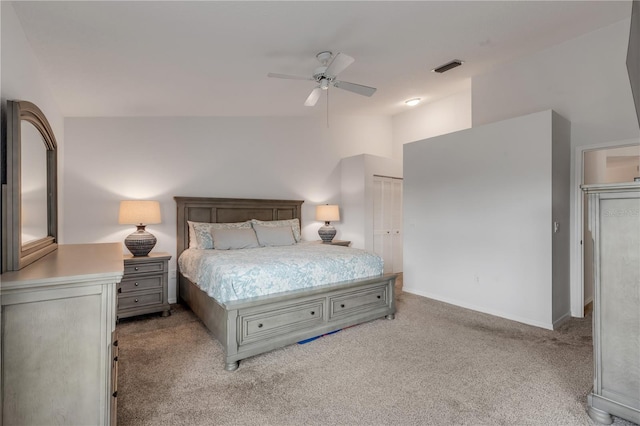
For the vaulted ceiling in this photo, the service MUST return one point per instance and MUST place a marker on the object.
(211, 58)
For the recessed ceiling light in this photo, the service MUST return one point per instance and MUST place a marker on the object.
(412, 102)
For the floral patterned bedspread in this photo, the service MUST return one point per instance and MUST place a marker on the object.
(228, 275)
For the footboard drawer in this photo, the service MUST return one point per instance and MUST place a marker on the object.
(358, 301)
(264, 325)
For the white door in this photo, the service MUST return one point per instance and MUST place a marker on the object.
(387, 221)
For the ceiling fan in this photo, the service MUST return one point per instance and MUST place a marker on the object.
(326, 75)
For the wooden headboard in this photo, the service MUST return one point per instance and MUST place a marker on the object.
(223, 210)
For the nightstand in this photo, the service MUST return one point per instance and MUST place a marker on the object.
(144, 286)
(337, 243)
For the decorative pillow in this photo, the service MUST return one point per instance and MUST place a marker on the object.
(293, 223)
(202, 232)
(234, 238)
(272, 236)
(193, 244)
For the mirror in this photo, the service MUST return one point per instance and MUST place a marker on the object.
(33, 184)
(29, 213)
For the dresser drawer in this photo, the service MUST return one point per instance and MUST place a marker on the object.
(143, 268)
(142, 283)
(355, 302)
(265, 325)
(137, 300)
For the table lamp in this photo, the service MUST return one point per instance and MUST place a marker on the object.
(140, 213)
(327, 213)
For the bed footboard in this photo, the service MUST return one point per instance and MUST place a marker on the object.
(253, 326)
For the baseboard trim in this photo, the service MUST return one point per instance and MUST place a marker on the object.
(528, 321)
(557, 323)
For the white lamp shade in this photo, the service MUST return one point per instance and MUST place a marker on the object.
(135, 212)
(328, 213)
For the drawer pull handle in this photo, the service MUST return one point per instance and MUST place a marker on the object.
(115, 343)
(259, 325)
(136, 301)
(136, 284)
(115, 394)
(119, 289)
(342, 306)
(379, 296)
(313, 312)
(135, 269)
(115, 359)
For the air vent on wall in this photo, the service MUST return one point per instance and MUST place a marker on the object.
(448, 66)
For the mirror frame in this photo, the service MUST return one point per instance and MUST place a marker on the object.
(16, 255)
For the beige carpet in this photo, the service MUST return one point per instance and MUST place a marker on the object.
(435, 364)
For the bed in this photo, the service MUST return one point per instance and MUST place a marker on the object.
(248, 326)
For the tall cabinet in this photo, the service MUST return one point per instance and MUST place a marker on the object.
(59, 348)
(614, 222)
(387, 221)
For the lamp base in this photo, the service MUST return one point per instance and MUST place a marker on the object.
(327, 232)
(141, 242)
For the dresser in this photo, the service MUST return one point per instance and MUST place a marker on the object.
(59, 348)
(144, 287)
(614, 224)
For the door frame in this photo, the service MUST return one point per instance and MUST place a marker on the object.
(576, 250)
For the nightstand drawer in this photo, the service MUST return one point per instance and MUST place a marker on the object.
(142, 283)
(139, 300)
(357, 301)
(143, 268)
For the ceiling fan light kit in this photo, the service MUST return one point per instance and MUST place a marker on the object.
(325, 75)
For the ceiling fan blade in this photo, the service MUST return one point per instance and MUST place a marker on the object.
(339, 63)
(313, 97)
(287, 76)
(355, 88)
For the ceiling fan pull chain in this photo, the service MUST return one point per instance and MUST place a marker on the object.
(327, 107)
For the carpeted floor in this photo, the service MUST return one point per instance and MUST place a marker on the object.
(435, 364)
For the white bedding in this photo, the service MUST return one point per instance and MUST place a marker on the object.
(228, 275)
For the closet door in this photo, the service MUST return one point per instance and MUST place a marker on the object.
(387, 222)
(396, 224)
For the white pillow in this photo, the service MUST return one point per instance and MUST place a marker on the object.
(234, 238)
(273, 236)
(192, 236)
(293, 223)
(201, 237)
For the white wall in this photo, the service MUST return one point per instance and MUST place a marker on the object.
(435, 118)
(22, 79)
(110, 159)
(478, 219)
(586, 81)
(560, 215)
(357, 173)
